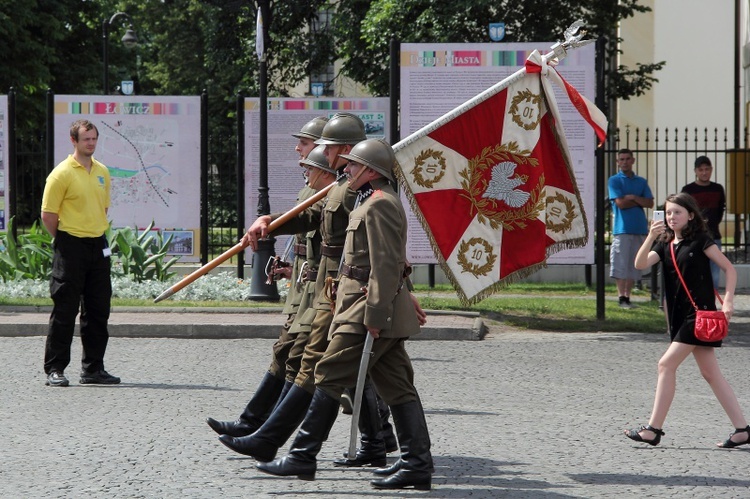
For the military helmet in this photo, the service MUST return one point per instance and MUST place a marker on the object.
(374, 153)
(312, 129)
(342, 129)
(317, 159)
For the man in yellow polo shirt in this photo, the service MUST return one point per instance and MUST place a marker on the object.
(74, 211)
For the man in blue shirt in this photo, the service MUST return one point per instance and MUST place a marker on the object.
(629, 195)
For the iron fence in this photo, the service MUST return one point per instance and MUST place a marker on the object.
(666, 156)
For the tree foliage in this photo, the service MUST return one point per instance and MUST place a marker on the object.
(365, 27)
(188, 46)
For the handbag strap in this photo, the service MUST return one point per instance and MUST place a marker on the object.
(679, 274)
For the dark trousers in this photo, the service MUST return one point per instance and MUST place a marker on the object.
(80, 278)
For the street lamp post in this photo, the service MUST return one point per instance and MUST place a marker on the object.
(259, 289)
(130, 40)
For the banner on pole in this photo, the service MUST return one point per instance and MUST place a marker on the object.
(492, 185)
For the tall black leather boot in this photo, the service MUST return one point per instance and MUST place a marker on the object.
(416, 467)
(301, 460)
(256, 412)
(287, 386)
(386, 433)
(372, 447)
(265, 442)
(388, 470)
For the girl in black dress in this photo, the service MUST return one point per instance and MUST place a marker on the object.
(694, 248)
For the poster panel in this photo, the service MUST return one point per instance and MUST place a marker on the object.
(151, 146)
(438, 77)
(285, 117)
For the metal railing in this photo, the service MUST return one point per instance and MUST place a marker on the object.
(666, 156)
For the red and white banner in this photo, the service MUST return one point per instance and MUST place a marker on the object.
(492, 184)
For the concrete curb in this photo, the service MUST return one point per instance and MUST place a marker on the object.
(127, 322)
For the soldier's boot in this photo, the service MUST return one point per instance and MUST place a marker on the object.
(266, 441)
(256, 411)
(372, 446)
(287, 386)
(391, 445)
(388, 470)
(301, 460)
(415, 469)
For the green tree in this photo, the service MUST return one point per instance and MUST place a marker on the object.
(364, 28)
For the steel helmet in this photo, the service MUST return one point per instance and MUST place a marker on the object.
(374, 153)
(317, 159)
(342, 129)
(312, 129)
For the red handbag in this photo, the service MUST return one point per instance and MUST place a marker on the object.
(710, 325)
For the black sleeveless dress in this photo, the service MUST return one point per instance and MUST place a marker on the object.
(696, 270)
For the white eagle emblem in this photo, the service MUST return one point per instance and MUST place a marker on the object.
(503, 185)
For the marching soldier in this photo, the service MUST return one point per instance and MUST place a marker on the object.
(370, 300)
(272, 384)
(340, 134)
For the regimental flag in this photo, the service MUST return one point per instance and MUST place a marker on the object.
(492, 184)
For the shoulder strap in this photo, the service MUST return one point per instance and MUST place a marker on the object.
(679, 274)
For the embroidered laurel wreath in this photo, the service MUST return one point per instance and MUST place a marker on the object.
(490, 210)
(487, 254)
(568, 217)
(435, 168)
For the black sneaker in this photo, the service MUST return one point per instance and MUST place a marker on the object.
(98, 378)
(56, 378)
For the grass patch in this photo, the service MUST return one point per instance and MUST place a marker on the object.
(552, 307)
(537, 306)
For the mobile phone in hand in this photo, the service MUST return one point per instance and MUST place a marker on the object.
(658, 216)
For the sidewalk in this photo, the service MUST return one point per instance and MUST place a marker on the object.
(219, 323)
(229, 323)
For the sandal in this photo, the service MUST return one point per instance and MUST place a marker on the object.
(729, 443)
(635, 434)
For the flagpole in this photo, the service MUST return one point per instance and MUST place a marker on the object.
(558, 51)
(239, 246)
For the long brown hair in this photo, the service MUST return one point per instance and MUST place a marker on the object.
(695, 226)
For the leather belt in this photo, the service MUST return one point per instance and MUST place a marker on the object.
(300, 249)
(358, 273)
(310, 275)
(331, 251)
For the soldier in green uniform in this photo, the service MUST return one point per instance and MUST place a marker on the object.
(331, 217)
(272, 384)
(370, 299)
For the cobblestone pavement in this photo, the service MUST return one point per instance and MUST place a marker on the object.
(520, 414)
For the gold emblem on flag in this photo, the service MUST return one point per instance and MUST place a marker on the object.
(560, 213)
(479, 251)
(429, 168)
(488, 207)
(526, 108)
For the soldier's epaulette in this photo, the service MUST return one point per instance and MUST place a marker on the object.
(377, 194)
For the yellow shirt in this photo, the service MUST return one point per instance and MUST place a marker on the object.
(79, 198)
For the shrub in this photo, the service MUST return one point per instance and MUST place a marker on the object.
(140, 257)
